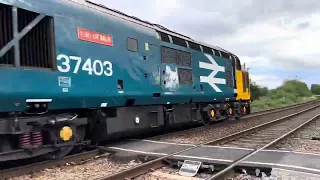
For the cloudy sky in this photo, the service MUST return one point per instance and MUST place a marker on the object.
(277, 39)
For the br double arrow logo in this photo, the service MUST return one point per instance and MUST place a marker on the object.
(211, 79)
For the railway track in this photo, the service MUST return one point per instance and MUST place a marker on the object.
(275, 130)
(270, 134)
(27, 169)
(274, 110)
(257, 136)
(258, 115)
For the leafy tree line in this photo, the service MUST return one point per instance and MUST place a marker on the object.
(289, 88)
(290, 92)
(315, 89)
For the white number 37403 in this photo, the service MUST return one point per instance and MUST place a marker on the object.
(95, 67)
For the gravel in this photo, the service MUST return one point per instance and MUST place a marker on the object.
(170, 171)
(98, 168)
(301, 140)
(261, 138)
(204, 134)
(276, 174)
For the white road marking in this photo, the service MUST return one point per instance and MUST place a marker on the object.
(136, 151)
(221, 160)
(164, 142)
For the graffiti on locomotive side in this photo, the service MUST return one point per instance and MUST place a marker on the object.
(76, 64)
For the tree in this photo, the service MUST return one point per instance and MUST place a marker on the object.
(291, 89)
(315, 89)
(264, 91)
(257, 91)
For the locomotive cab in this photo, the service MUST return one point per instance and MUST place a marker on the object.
(242, 86)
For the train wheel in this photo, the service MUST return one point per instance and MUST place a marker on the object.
(237, 113)
(230, 112)
(66, 135)
(244, 110)
(62, 152)
(206, 119)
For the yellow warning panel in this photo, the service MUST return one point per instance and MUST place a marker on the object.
(147, 46)
(158, 36)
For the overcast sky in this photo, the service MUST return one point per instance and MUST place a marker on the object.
(277, 39)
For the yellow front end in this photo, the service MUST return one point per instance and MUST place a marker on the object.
(243, 85)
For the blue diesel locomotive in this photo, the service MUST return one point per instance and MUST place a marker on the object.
(76, 73)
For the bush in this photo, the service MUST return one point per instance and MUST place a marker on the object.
(315, 89)
(291, 89)
(257, 91)
(290, 92)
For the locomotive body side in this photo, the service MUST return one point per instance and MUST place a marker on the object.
(90, 74)
(83, 74)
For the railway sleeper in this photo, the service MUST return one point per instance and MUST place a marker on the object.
(211, 168)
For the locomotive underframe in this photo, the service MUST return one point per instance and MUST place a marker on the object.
(26, 137)
(102, 124)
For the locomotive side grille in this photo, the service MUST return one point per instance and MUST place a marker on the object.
(185, 76)
(229, 80)
(168, 55)
(36, 46)
(183, 58)
(248, 81)
(244, 82)
(180, 58)
(6, 34)
(174, 56)
(245, 79)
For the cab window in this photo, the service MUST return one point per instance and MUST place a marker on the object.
(132, 45)
(238, 65)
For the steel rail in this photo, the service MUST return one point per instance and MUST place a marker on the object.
(220, 174)
(158, 163)
(258, 127)
(246, 118)
(273, 110)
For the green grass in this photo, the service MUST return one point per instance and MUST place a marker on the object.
(265, 103)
